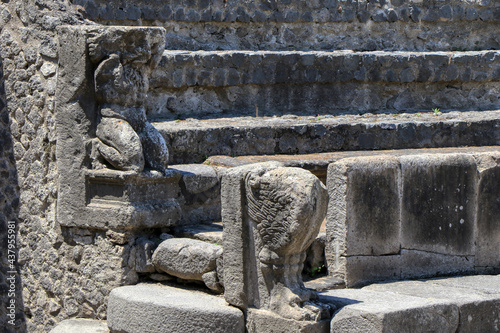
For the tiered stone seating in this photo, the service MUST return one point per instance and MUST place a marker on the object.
(334, 79)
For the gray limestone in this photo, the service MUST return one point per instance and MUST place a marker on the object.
(102, 126)
(320, 82)
(438, 201)
(407, 215)
(189, 259)
(271, 215)
(260, 321)
(488, 210)
(370, 311)
(292, 25)
(192, 140)
(200, 187)
(81, 325)
(150, 308)
(363, 215)
(477, 298)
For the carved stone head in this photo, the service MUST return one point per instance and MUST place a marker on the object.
(288, 205)
(124, 59)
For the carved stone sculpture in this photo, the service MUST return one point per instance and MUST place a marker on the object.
(123, 61)
(271, 215)
(103, 137)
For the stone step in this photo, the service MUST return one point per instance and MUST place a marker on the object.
(318, 163)
(266, 83)
(403, 214)
(457, 304)
(454, 304)
(316, 25)
(194, 140)
(81, 325)
(154, 308)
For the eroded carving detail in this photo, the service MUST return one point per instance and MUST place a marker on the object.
(124, 59)
(287, 207)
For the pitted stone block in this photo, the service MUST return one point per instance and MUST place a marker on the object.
(363, 216)
(189, 259)
(438, 202)
(369, 311)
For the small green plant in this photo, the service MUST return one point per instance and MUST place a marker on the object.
(436, 111)
(317, 270)
(418, 114)
(217, 243)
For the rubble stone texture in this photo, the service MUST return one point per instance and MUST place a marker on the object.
(314, 25)
(271, 215)
(235, 83)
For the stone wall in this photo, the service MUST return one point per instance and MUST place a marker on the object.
(310, 25)
(65, 272)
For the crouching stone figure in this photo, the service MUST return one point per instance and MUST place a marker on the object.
(124, 59)
(271, 215)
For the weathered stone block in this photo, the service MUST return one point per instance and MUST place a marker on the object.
(359, 270)
(369, 311)
(363, 211)
(363, 220)
(425, 264)
(438, 202)
(186, 258)
(478, 309)
(259, 321)
(488, 211)
(159, 309)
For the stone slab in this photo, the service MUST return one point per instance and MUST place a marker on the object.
(192, 140)
(438, 203)
(363, 211)
(420, 264)
(211, 233)
(488, 211)
(360, 270)
(370, 311)
(81, 325)
(489, 284)
(319, 25)
(150, 308)
(263, 321)
(311, 83)
(478, 299)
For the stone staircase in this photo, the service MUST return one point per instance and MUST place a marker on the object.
(316, 84)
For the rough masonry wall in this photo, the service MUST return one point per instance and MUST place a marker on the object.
(402, 25)
(64, 272)
(11, 316)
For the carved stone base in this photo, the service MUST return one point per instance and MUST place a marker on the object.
(124, 200)
(259, 320)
